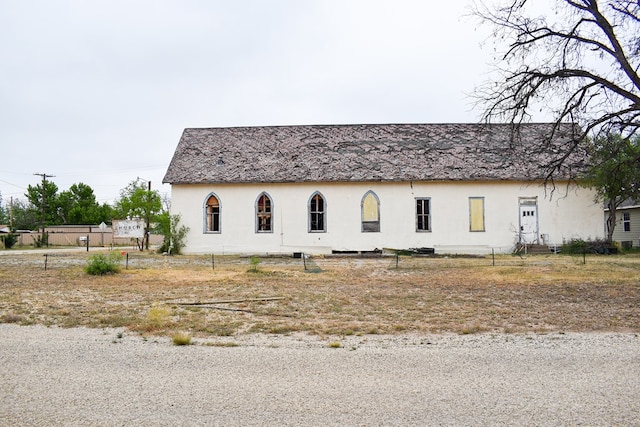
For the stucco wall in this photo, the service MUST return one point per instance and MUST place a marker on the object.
(566, 215)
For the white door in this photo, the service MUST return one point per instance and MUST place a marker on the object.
(528, 223)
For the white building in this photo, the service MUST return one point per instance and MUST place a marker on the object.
(627, 229)
(456, 188)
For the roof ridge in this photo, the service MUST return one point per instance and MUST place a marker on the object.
(492, 124)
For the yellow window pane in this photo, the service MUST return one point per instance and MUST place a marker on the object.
(476, 213)
(370, 208)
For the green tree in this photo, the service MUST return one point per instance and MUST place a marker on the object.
(105, 213)
(576, 61)
(615, 173)
(24, 216)
(43, 199)
(78, 205)
(4, 214)
(137, 200)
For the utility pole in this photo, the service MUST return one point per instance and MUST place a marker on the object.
(11, 214)
(44, 182)
(148, 214)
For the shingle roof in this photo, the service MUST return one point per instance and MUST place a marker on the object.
(388, 152)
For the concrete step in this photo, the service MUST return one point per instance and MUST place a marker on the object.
(533, 249)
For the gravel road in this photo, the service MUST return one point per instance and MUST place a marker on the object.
(95, 377)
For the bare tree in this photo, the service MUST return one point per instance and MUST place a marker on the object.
(576, 61)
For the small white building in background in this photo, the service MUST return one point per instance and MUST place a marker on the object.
(627, 230)
(456, 188)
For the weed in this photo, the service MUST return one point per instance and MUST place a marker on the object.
(282, 329)
(222, 344)
(158, 317)
(114, 320)
(181, 339)
(221, 330)
(254, 265)
(11, 318)
(472, 329)
(335, 344)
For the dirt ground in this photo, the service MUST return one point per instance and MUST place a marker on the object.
(342, 296)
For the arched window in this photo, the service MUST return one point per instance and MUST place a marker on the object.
(212, 214)
(370, 206)
(264, 212)
(317, 213)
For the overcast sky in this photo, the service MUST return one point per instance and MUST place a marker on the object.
(99, 91)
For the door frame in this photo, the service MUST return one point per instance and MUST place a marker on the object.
(533, 203)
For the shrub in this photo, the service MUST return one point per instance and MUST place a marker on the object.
(579, 246)
(9, 240)
(101, 264)
(574, 246)
(174, 234)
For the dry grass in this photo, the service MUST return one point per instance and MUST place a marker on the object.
(350, 296)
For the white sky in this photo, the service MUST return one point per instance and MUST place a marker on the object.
(100, 91)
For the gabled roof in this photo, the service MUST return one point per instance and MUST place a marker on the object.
(627, 204)
(360, 153)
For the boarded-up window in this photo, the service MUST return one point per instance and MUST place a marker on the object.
(263, 214)
(317, 213)
(476, 214)
(212, 215)
(370, 212)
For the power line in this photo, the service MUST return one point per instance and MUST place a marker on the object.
(10, 183)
